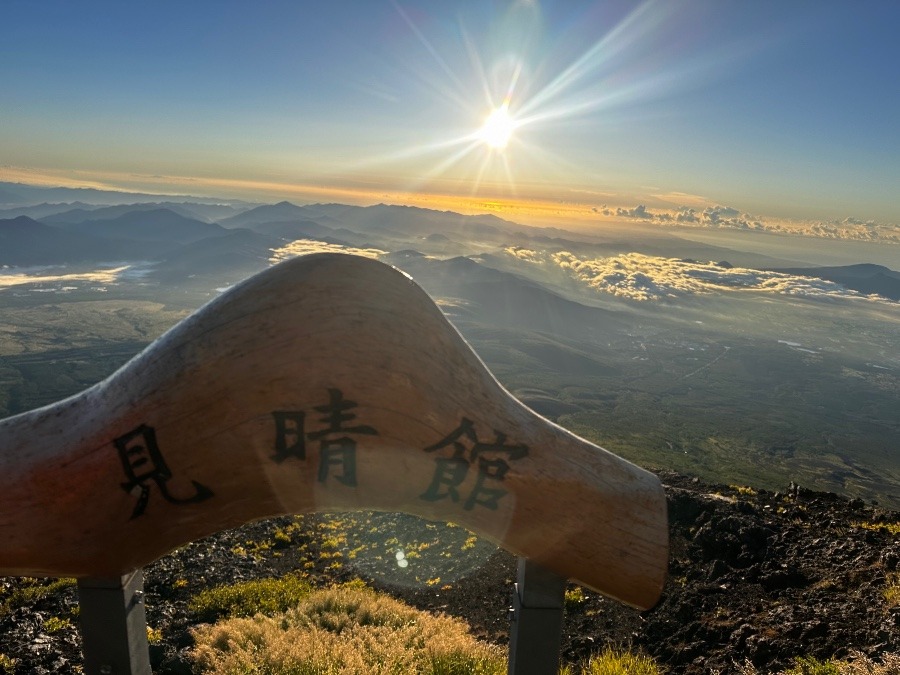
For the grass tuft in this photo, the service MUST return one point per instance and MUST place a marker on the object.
(808, 665)
(856, 664)
(265, 596)
(347, 630)
(30, 591)
(860, 664)
(615, 662)
(55, 624)
(154, 635)
(575, 599)
(891, 592)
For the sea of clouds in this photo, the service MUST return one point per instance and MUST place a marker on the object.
(726, 217)
(636, 276)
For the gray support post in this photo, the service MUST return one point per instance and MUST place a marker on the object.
(114, 625)
(537, 618)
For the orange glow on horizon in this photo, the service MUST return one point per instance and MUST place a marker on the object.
(536, 211)
(576, 209)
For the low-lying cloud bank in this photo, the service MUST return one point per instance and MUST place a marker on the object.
(46, 276)
(307, 246)
(725, 217)
(641, 277)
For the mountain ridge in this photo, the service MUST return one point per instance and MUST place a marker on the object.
(25, 241)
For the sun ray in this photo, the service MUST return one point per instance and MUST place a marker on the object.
(601, 53)
(510, 180)
(511, 83)
(476, 183)
(478, 65)
(445, 165)
(448, 71)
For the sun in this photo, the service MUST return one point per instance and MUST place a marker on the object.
(498, 128)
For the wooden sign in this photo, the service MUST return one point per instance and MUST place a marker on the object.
(328, 382)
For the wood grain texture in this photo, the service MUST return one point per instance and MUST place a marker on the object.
(328, 382)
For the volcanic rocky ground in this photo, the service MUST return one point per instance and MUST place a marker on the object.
(755, 576)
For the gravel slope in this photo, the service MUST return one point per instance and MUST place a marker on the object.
(754, 575)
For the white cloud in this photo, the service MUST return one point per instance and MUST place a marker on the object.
(44, 276)
(525, 254)
(640, 212)
(641, 277)
(307, 246)
(727, 217)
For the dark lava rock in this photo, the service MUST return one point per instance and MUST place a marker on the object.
(756, 576)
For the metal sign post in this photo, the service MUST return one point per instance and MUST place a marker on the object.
(537, 620)
(114, 625)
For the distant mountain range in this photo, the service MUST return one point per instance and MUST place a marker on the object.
(157, 230)
(184, 242)
(407, 222)
(25, 242)
(134, 235)
(20, 194)
(226, 258)
(76, 212)
(738, 383)
(268, 213)
(162, 225)
(498, 298)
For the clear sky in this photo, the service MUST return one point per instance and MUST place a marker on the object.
(790, 109)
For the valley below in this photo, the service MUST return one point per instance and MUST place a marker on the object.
(731, 374)
(765, 400)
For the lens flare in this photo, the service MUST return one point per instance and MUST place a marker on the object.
(543, 84)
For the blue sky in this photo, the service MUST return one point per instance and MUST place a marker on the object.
(786, 109)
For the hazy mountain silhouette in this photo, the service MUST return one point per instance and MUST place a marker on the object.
(22, 195)
(403, 222)
(268, 213)
(413, 222)
(503, 299)
(293, 229)
(43, 210)
(82, 212)
(161, 225)
(7, 196)
(330, 215)
(87, 212)
(24, 241)
(864, 278)
(228, 257)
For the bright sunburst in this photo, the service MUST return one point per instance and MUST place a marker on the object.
(498, 128)
(622, 67)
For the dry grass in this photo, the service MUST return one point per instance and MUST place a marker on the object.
(614, 662)
(266, 596)
(860, 664)
(346, 630)
(891, 592)
(30, 590)
(856, 664)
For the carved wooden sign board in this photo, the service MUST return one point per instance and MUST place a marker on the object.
(328, 382)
